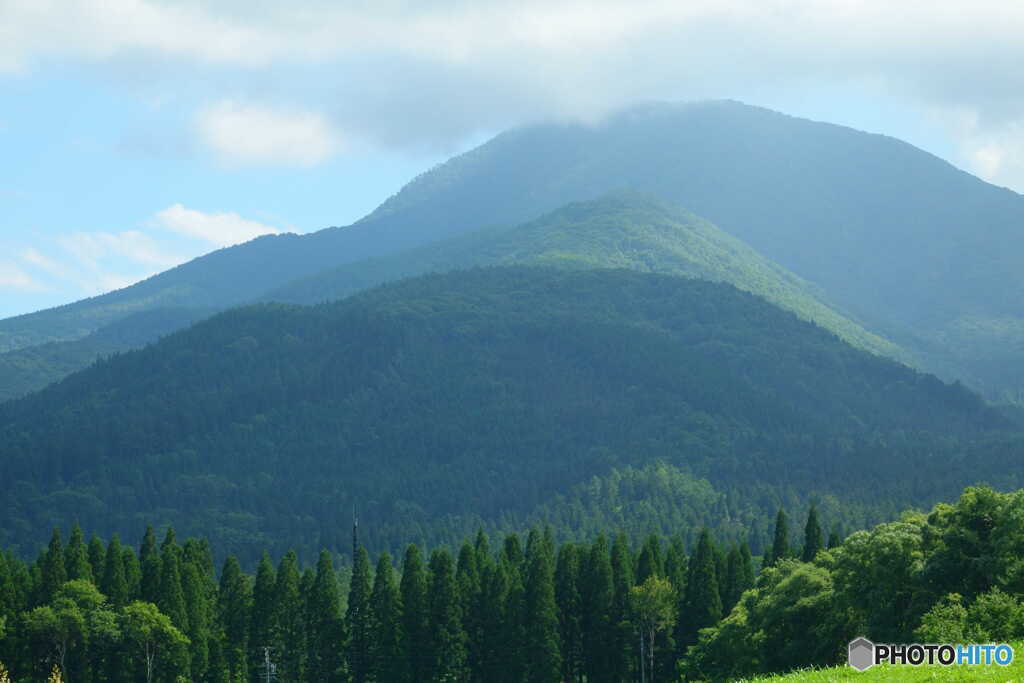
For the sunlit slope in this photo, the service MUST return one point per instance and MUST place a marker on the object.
(620, 230)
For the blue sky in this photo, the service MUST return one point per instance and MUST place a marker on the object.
(137, 134)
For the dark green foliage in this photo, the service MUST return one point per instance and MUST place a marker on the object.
(358, 621)
(114, 583)
(447, 640)
(701, 604)
(149, 561)
(650, 562)
(263, 625)
(622, 653)
(97, 557)
(51, 566)
(570, 611)
(76, 556)
(325, 628)
(780, 543)
(541, 642)
(597, 591)
(290, 642)
(385, 663)
(234, 613)
(813, 541)
(415, 617)
(255, 424)
(170, 598)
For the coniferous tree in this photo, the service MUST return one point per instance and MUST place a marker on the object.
(447, 639)
(622, 654)
(326, 628)
(386, 624)
(747, 565)
(149, 561)
(199, 596)
(813, 541)
(732, 586)
(170, 599)
(132, 572)
(597, 592)
(702, 603)
(357, 618)
(289, 643)
(780, 544)
(234, 608)
(263, 623)
(489, 663)
(835, 538)
(541, 641)
(467, 578)
(115, 584)
(567, 596)
(52, 571)
(650, 562)
(76, 557)
(415, 610)
(97, 557)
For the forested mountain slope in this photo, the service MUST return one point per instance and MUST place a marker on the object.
(920, 252)
(619, 230)
(442, 402)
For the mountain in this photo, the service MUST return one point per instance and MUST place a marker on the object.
(442, 403)
(620, 230)
(919, 252)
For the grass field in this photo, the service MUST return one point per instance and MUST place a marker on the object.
(885, 672)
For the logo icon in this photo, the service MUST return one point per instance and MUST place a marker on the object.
(861, 654)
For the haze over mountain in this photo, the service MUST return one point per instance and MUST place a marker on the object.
(920, 253)
(501, 387)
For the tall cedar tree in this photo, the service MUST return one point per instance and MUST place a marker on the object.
(748, 566)
(263, 625)
(650, 562)
(132, 572)
(199, 597)
(52, 570)
(76, 557)
(467, 578)
(780, 545)
(489, 663)
(385, 624)
(234, 605)
(97, 557)
(326, 628)
(416, 645)
(170, 598)
(357, 618)
(541, 646)
(290, 641)
(447, 639)
(622, 655)
(567, 596)
(115, 584)
(813, 540)
(597, 592)
(835, 537)
(149, 560)
(702, 603)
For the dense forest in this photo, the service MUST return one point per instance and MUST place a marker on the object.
(614, 608)
(478, 398)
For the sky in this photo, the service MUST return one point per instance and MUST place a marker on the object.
(138, 134)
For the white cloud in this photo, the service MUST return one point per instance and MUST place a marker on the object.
(247, 134)
(12, 277)
(222, 229)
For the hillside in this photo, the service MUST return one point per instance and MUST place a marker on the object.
(619, 230)
(443, 402)
(919, 252)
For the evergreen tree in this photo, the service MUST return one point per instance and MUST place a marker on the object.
(386, 624)
(543, 655)
(747, 565)
(199, 597)
(780, 545)
(170, 599)
(132, 572)
(97, 557)
(357, 618)
(467, 578)
(418, 653)
(813, 541)
(263, 622)
(835, 538)
(234, 607)
(76, 557)
(326, 628)
(621, 654)
(702, 603)
(149, 560)
(567, 596)
(732, 586)
(650, 562)
(676, 565)
(290, 641)
(114, 584)
(597, 592)
(52, 571)
(446, 637)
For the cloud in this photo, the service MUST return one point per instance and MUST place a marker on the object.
(14, 278)
(221, 229)
(404, 73)
(247, 134)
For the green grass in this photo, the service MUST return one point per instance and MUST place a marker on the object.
(886, 672)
